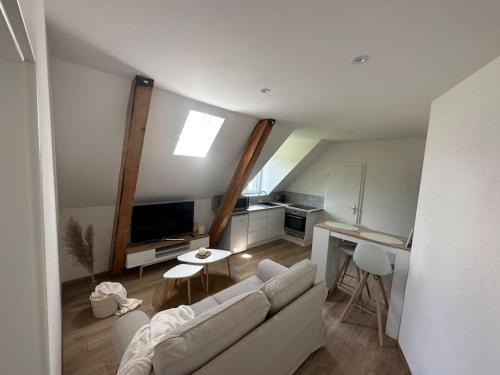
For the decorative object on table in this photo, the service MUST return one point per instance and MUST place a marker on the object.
(103, 296)
(201, 229)
(215, 255)
(80, 245)
(203, 253)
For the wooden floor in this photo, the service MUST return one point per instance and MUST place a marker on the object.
(351, 347)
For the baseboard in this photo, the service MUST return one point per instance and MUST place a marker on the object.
(403, 359)
(80, 279)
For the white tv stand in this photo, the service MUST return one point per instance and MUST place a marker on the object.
(146, 254)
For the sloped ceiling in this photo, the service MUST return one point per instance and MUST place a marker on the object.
(89, 118)
(222, 52)
(307, 161)
(285, 160)
(7, 46)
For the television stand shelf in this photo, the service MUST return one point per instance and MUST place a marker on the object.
(145, 254)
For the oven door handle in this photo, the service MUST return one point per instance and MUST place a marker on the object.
(296, 216)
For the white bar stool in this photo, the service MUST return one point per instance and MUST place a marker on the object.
(373, 261)
(347, 251)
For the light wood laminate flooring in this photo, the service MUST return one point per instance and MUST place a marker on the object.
(351, 347)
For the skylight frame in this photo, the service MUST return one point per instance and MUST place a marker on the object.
(198, 134)
(254, 187)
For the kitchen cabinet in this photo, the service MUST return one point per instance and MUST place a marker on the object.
(275, 223)
(257, 227)
(265, 225)
(235, 236)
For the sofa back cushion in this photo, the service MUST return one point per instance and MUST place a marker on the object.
(209, 334)
(287, 286)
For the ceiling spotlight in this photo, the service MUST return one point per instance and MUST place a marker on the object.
(265, 91)
(360, 59)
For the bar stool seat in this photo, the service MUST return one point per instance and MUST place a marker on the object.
(374, 261)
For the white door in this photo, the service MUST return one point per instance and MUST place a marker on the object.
(344, 192)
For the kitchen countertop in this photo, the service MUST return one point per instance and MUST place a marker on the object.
(357, 234)
(259, 207)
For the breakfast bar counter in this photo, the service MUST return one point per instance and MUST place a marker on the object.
(326, 255)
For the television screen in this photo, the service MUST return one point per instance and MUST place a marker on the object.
(153, 222)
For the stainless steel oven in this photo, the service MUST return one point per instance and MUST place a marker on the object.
(295, 222)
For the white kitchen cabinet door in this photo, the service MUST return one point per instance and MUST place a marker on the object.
(257, 223)
(239, 233)
(257, 237)
(275, 222)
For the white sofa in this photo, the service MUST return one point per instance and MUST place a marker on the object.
(266, 324)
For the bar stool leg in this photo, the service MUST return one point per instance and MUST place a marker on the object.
(207, 277)
(379, 313)
(384, 294)
(347, 261)
(358, 273)
(228, 267)
(355, 296)
(340, 274)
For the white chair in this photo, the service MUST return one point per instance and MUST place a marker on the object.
(373, 261)
(347, 250)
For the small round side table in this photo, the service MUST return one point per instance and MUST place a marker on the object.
(184, 271)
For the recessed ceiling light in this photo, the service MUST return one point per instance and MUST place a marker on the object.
(360, 59)
(265, 91)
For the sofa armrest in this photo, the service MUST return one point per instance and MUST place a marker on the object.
(267, 269)
(125, 328)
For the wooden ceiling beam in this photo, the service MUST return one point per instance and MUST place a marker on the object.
(137, 116)
(250, 154)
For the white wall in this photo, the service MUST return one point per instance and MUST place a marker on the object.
(451, 311)
(391, 184)
(89, 110)
(21, 249)
(33, 322)
(89, 115)
(101, 217)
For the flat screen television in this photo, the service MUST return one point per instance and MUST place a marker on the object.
(154, 222)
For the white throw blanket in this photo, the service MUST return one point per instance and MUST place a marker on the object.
(107, 288)
(138, 357)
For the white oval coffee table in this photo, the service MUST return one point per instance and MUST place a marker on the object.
(184, 271)
(215, 256)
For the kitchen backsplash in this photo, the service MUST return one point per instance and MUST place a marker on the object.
(291, 197)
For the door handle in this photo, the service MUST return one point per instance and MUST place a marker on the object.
(354, 209)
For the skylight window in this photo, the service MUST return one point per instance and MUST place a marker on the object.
(198, 134)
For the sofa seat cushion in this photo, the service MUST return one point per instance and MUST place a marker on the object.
(248, 285)
(196, 342)
(287, 286)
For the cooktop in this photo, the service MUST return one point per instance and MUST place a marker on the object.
(302, 206)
